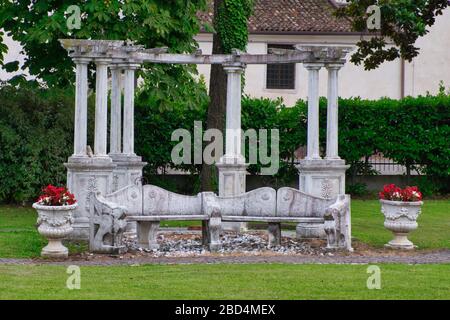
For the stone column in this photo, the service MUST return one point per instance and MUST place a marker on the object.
(232, 167)
(129, 166)
(101, 109)
(116, 111)
(128, 112)
(319, 177)
(332, 112)
(313, 111)
(90, 174)
(81, 92)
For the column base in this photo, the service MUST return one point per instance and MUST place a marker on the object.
(128, 170)
(323, 178)
(86, 175)
(232, 176)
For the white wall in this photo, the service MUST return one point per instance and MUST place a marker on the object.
(13, 54)
(433, 62)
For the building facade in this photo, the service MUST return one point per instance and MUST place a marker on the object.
(284, 23)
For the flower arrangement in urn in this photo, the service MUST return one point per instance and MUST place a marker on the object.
(401, 208)
(55, 207)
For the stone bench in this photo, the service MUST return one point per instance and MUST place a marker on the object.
(288, 205)
(149, 205)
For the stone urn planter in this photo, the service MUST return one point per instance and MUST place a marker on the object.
(55, 224)
(55, 207)
(401, 208)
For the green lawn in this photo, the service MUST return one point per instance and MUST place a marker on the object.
(19, 238)
(273, 281)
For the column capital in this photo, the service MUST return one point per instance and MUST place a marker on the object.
(313, 65)
(129, 65)
(334, 66)
(234, 67)
(102, 61)
(116, 66)
(81, 60)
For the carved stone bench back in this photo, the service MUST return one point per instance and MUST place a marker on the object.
(130, 197)
(264, 202)
(257, 203)
(294, 203)
(158, 201)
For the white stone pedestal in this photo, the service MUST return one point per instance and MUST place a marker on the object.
(232, 178)
(128, 170)
(323, 178)
(86, 175)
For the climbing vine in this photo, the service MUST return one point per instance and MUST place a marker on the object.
(231, 24)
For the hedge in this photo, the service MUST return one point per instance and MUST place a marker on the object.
(36, 134)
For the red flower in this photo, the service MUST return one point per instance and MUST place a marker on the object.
(394, 193)
(56, 196)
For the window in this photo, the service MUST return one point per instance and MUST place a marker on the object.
(280, 76)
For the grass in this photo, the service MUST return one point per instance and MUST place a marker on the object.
(273, 281)
(19, 237)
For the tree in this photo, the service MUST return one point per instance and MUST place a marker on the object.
(401, 21)
(37, 26)
(230, 24)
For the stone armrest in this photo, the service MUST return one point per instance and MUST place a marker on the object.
(211, 207)
(337, 224)
(110, 207)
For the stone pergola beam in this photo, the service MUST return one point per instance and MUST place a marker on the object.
(94, 49)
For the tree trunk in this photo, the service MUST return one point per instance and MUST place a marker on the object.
(217, 106)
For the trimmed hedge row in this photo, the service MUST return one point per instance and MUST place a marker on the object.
(36, 134)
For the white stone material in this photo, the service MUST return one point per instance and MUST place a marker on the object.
(83, 178)
(401, 219)
(101, 108)
(107, 225)
(116, 110)
(128, 112)
(55, 224)
(313, 151)
(337, 224)
(332, 112)
(81, 93)
(233, 152)
(232, 167)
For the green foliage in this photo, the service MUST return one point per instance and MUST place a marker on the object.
(157, 116)
(402, 21)
(38, 25)
(231, 24)
(36, 138)
(357, 189)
